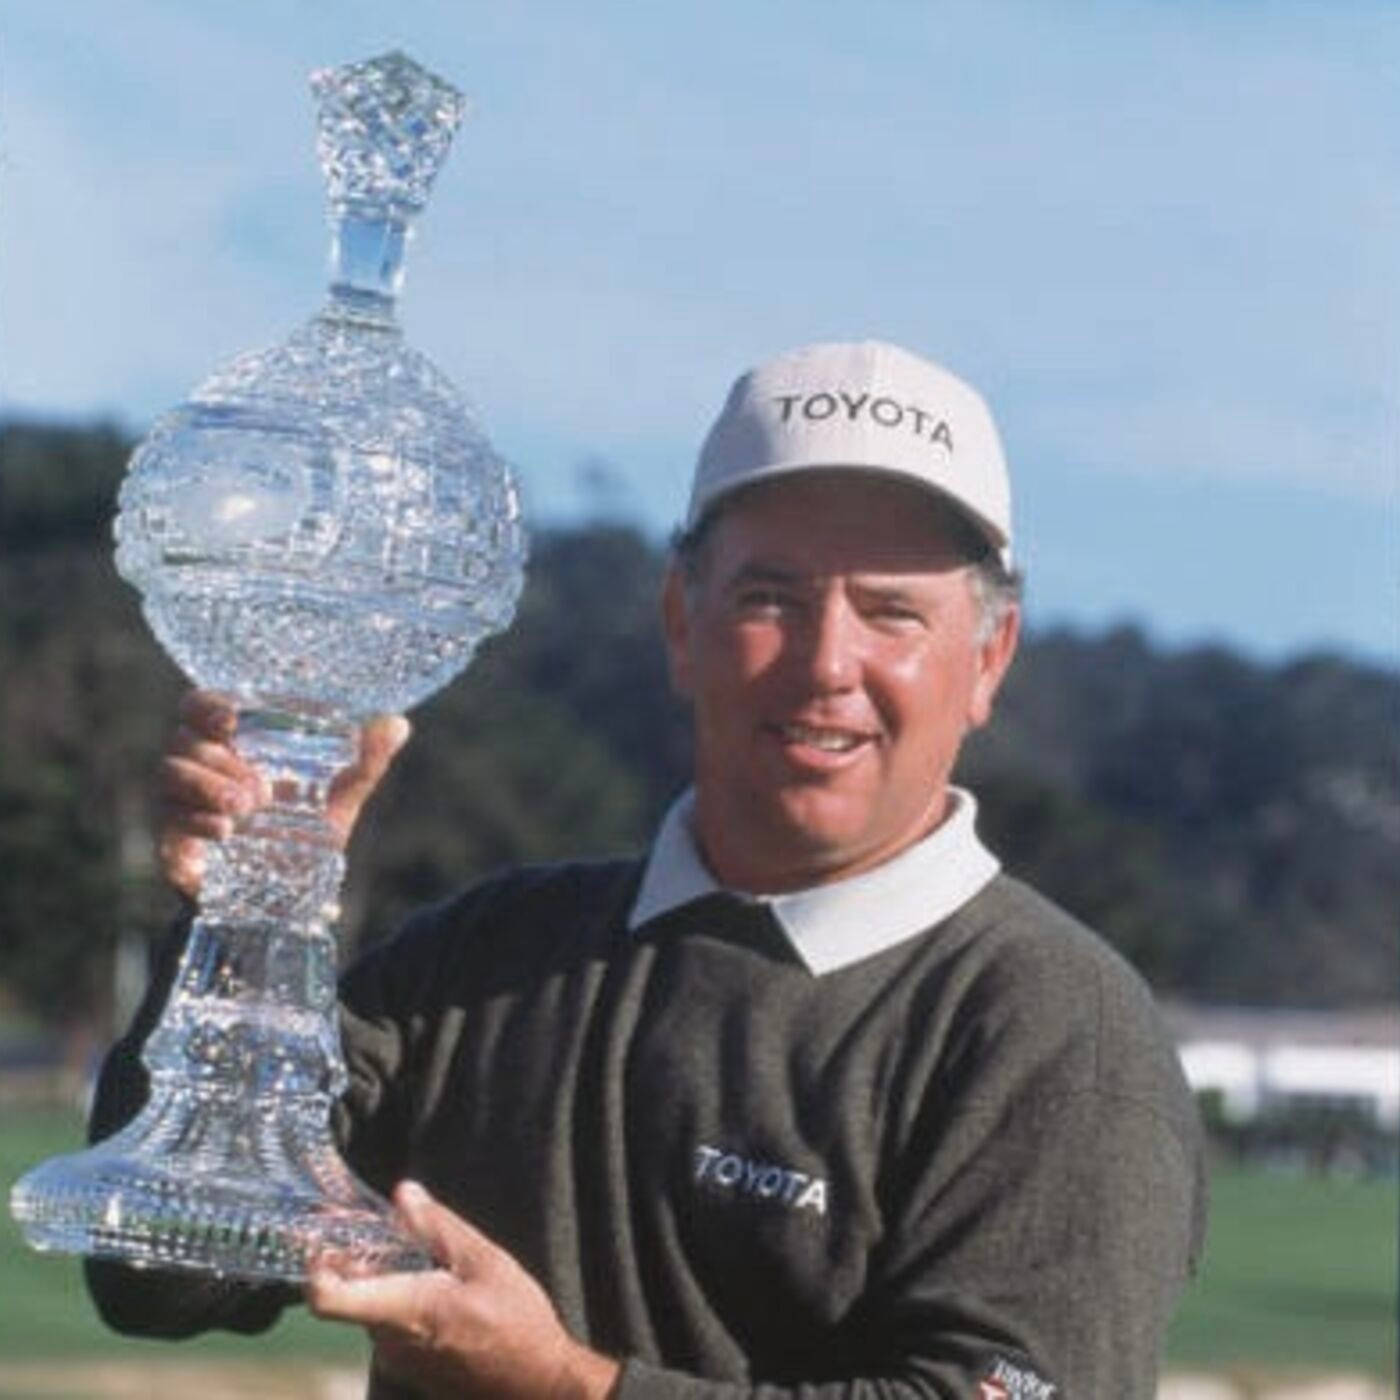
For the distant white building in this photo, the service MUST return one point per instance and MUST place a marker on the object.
(1256, 1059)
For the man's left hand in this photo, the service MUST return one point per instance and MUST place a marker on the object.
(478, 1324)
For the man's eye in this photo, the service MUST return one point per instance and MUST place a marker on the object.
(895, 612)
(763, 600)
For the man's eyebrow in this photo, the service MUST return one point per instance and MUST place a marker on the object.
(762, 571)
(884, 586)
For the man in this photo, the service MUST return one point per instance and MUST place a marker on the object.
(813, 1098)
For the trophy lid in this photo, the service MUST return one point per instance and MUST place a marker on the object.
(384, 127)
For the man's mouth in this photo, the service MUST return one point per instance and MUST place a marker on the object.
(819, 737)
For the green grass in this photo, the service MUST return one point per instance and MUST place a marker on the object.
(1299, 1273)
(46, 1312)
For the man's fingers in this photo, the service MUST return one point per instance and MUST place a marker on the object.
(183, 825)
(481, 1326)
(393, 1300)
(210, 714)
(220, 755)
(380, 740)
(209, 783)
(453, 1242)
(334, 1290)
(182, 862)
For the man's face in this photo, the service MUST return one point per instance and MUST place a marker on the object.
(830, 646)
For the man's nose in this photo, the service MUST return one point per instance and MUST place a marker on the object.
(832, 644)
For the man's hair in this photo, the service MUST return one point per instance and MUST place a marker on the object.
(996, 587)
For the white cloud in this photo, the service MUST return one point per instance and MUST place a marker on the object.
(1347, 449)
(1167, 231)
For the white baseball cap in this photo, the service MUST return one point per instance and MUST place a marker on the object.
(864, 406)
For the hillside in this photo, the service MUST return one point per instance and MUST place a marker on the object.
(1233, 827)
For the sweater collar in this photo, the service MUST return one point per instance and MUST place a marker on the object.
(833, 925)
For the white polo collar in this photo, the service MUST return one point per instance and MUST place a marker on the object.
(831, 926)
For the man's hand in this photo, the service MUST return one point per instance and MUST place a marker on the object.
(477, 1325)
(205, 786)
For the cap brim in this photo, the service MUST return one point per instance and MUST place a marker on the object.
(704, 505)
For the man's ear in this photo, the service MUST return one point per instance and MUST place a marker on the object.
(993, 661)
(676, 629)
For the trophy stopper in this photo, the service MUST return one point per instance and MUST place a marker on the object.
(384, 127)
(383, 130)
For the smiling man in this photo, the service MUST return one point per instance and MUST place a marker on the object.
(812, 1099)
(835, 652)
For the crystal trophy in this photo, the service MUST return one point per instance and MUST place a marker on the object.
(322, 532)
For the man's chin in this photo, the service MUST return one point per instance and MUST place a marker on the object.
(822, 848)
(794, 837)
(827, 839)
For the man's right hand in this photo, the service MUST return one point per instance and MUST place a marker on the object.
(205, 786)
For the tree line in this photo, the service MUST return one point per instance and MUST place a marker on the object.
(1232, 827)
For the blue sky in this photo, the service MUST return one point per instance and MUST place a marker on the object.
(1162, 238)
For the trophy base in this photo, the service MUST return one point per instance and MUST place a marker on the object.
(115, 1203)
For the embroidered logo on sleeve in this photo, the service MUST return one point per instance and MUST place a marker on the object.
(1004, 1381)
(761, 1181)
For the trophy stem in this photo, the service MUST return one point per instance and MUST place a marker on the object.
(366, 264)
(230, 1167)
(252, 1009)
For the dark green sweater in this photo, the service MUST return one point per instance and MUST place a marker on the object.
(968, 1158)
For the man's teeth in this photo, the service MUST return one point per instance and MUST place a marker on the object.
(829, 740)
